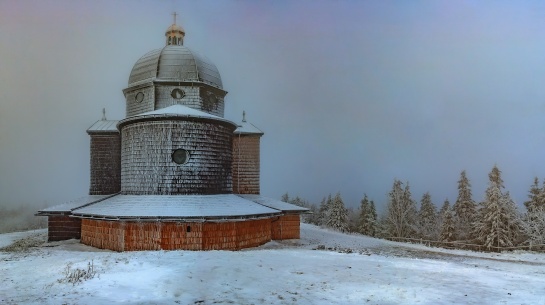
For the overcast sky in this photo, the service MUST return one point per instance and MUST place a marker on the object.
(350, 94)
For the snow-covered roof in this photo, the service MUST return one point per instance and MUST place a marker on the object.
(103, 126)
(275, 204)
(175, 207)
(175, 111)
(67, 207)
(174, 63)
(181, 110)
(247, 128)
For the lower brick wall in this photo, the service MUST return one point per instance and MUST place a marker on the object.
(63, 227)
(220, 236)
(253, 233)
(181, 236)
(134, 236)
(286, 227)
(103, 234)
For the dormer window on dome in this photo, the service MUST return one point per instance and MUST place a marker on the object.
(175, 34)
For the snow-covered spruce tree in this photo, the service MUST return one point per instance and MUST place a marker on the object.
(353, 216)
(427, 219)
(533, 226)
(368, 217)
(536, 196)
(464, 209)
(323, 211)
(299, 202)
(338, 218)
(533, 221)
(401, 213)
(443, 209)
(373, 218)
(498, 224)
(448, 231)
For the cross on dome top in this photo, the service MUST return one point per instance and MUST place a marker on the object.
(175, 34)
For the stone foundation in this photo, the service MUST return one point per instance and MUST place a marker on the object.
(236, 235)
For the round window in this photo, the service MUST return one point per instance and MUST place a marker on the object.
(139, 97)
(180, 156)
(177, 93)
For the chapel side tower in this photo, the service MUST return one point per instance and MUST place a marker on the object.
(174, 75)
(246, 158)
(105, 157)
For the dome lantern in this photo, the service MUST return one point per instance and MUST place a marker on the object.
(175, 34)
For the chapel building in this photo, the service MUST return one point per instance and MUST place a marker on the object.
(174, 173)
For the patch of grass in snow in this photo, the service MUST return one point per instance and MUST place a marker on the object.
(24, 244)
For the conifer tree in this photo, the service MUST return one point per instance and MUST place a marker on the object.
(498, 224)
(338, 217)
(533, 221)
(444, 208)
(533, 226)
(441, 216)
(401, 213)
(368, 217)
(534, 196)
(323, 212)
(427, 218)
(464, 208)
(448, 231)
(373, 218)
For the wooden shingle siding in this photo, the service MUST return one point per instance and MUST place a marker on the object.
(246, 164)
(286, 227)
(147, 104)
(253, 233)
(220, 236)
(105, 164)
(63, 227)
(146, 158)
(138, 236)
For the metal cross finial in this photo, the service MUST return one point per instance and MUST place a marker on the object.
(104, 114)
(174, 14)
(244, 116)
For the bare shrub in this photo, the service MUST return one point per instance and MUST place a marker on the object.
(77, 275)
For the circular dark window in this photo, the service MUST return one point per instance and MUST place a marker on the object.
(180, 156)
(177, 93)
(139, 97)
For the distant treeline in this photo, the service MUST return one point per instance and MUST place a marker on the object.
(21, 218)
(492, 224)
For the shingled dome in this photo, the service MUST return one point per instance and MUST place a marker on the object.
(174, 63)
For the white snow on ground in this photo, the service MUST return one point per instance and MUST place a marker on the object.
(287, 272)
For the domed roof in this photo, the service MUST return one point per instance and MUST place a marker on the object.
(175, 28)
(174, 63)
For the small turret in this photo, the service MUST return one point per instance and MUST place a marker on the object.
(175, 34)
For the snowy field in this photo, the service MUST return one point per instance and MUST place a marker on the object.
(352, 269)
